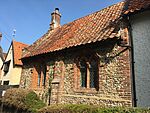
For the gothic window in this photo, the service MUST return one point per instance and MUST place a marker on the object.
(93, 71)
(44, 75)
(39, 78)
(83, 73)
(88, 72)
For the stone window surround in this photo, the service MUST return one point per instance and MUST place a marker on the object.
(42, 73)
(39, 79)
(77, 84)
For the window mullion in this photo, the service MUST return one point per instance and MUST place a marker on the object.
(88, 76)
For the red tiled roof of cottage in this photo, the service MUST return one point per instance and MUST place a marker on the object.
(135, 5)
(94, 27)
(17, 49)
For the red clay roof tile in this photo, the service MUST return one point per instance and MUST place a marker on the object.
(94, 27)
(88, 29)
(17, 49)
(135, 5)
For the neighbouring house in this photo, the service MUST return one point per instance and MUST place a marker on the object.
(2, 59)
(1, 56)
(12, 66)
(138, 14)
(92, 60)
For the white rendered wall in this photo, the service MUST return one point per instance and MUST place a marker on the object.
(14, 73)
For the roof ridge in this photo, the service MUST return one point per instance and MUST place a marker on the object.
(14, 41)
(17, 51)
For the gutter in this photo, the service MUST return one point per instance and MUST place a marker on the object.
(133, 86)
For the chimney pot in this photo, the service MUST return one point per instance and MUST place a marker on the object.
(55, 19)
(57, 9)
(0, 35)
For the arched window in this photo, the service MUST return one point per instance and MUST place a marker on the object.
(44, 75)
(93, 71)
(88, 73)
(39, 78)
(83, 73)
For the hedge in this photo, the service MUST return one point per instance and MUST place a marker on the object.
(22, 99)
(70, 108)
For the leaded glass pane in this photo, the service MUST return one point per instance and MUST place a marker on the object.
(83, 73)
(39, 78)
(93, 73)
(44, 76)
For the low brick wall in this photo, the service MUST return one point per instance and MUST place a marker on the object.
(94, 100)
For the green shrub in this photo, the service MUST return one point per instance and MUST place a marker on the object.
(70, 108)
(122, 110)
(22, 99)
(81, 108)
(32, 102)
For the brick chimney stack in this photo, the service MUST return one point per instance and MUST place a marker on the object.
(55, 19)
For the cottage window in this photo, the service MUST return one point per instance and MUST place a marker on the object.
(83, 73)
(6, 66)
(39, 78)
(88, 72)
(94, 79)
(44, 75)
(6, 82)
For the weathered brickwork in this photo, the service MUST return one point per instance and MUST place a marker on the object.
(94, 100)
(63, 84)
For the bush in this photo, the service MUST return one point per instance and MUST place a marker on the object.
(69, 108)
(22, 99)
(33, 102)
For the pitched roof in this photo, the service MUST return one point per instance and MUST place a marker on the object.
(4, 55)
(89, 29)
(135, 5)
(17, 51)
(94, 27)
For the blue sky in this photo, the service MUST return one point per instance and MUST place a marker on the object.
(31, 18)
